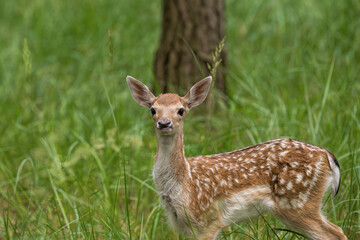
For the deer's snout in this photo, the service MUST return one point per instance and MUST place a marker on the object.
(164, 123)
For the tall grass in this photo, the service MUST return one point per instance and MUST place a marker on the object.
(76, 151)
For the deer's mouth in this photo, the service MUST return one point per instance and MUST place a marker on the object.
(165, 130)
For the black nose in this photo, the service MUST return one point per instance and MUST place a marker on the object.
(163, 124)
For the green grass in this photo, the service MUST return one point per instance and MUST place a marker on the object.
(76, 151)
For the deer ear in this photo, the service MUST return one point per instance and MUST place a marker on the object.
(198, 92)
(140, 92)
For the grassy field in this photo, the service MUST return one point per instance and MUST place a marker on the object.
(76, 152)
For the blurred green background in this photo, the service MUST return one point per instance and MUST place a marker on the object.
(76, 151)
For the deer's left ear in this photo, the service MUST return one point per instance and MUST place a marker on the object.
(198, 92)
(140, 92)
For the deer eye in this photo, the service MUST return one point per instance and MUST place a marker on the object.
(181, 111)
(152, 110)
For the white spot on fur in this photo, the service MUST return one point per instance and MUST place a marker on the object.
(273, 155)
(289, 186)
(305, 183)
(299, 177)
(295, 203)
(303, 196)
(294, 164)
(308, 171)
(282, 154)
(223, 182)
(273, 163)
(283, 145)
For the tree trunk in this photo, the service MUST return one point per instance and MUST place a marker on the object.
(190, 28)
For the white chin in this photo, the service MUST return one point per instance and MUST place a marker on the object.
(165, 131)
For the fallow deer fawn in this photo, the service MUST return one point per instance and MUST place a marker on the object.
(283, 176)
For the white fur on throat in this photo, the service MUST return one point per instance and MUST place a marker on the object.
(171, 191)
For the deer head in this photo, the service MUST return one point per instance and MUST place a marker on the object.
(168, 110)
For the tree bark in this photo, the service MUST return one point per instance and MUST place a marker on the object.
(189, 27)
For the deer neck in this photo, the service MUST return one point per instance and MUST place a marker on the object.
(170, 149)
(170, 162)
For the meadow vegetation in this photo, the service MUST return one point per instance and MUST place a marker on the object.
(76, 151)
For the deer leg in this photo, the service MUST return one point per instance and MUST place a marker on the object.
(336, 231)
(314, 227)
(212, 234)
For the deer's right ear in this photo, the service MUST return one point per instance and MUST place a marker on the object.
(140, 92)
